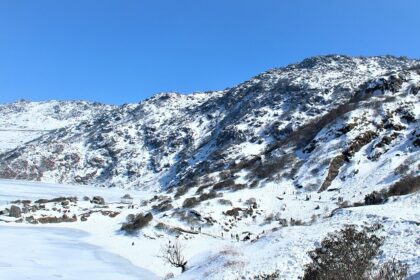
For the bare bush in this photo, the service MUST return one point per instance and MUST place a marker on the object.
(172, 253)
(347, 254)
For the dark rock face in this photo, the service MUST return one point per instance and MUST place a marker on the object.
(15, 211)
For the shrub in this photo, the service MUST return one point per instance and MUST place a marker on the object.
(181, 190)
(407, 185)
(268, 219)
(226, 184)
(237, 187)
(136, 222)
(392, 270)
(188, 216)
(375, 198)
(347, 254)
(207, 196)
(268, 276)
(294, 222)
(163, 206)
(225, 174)
(166, 228)
(272, 167)
(254, 184)
(190, 202)
(202, 188)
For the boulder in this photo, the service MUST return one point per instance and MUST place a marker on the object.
(15, 211)
(98, 200)
(65, 203)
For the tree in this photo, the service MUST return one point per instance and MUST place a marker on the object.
(347, 254)
(172, 253)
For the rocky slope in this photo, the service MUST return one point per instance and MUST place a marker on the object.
(311, 116)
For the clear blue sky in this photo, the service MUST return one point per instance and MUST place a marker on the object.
(124, 51)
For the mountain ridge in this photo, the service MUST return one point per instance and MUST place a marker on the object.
(174, 137)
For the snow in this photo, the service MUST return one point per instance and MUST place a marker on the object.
(11, 190)
(57, 253)
(23, 121)
(90, 245)
(11, 138)
(144, 149)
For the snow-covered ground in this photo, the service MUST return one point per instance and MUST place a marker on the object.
(11, 190)
(12, 138)
(24, 121)
(96, 249)
(57, 253)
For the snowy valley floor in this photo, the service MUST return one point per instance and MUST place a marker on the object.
(59, 253)
(96, 249)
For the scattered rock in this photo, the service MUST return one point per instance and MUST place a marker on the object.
(98, 200)
(233, 212)
(54, 220)
(15, 211)
(57, 199)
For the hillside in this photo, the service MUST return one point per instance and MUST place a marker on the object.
(249, 178)
(292, 115)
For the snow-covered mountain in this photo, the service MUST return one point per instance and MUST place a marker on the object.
(249, 178)
(303, 123)
(23, 121)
